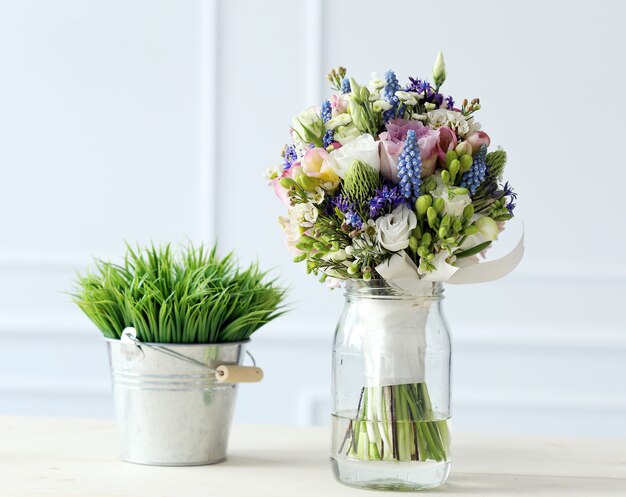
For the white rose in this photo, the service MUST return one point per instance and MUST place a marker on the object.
(363, 148)
(308, 125)
(452, 204)
(394, 230)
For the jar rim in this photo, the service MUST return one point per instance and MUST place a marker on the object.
(384, 289)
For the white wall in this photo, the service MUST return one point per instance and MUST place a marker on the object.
(155, 120)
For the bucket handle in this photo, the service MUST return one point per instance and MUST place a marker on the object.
(225, 373)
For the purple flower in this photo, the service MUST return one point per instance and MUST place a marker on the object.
(353, 219)
(508, 192)
(341, 203)
(289, 156)
(429, 93)
(385, 200)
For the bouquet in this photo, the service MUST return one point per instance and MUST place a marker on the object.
(392, 182)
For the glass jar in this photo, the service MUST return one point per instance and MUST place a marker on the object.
(391, 388)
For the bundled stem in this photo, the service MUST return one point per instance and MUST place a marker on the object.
(194, 297)
(397, 423)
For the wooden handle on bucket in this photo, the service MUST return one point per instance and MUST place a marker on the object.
(238, 374)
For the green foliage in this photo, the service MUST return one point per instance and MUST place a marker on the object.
(360, 182)
(495, 163)
(190, 297)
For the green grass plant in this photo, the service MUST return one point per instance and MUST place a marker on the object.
(186, 296)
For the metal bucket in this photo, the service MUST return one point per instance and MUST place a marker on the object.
(172, 412)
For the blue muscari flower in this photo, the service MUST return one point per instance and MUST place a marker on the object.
(389, 94)
(289, 155)
(345, 86)
(385, 199)
(410, 168)
(328, 137)
(326, 111)
(353, 219)
(477, 172)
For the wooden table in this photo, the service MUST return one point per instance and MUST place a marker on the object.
(67, 458)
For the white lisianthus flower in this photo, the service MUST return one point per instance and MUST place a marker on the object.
(394, 230)
(376, 83)
(339, 120)
(453, 204)
(381, 105)
(363, 148)
(344, 134)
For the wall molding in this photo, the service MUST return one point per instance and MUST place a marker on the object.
(208, 128)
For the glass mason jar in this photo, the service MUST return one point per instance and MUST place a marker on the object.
(391, 388)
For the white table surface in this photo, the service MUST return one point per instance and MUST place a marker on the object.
(67, 458)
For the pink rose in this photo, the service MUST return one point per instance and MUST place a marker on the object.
(392, 142)
(447, 141)
(477, 139)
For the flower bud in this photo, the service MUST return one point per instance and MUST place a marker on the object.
(299, 257)
(355, 88)
(431, 213)
(451, 155)
(457, 225)
(429, 184)
(439, 71)
(443, 231)
(430, 106)
(367, 275)
(459, 190)
(454, 167)
(288, 183)
(422, 204)
(446, 221)
(413, 243)
(466, 163)
(354, 268)
(430, 257)
(426, 240)
(463, 148)
(359, 117)
(445, 176)
(438, 204)
(422, 251)
(364, 94)
(468, 212)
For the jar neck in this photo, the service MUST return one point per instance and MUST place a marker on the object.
(381, 289)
